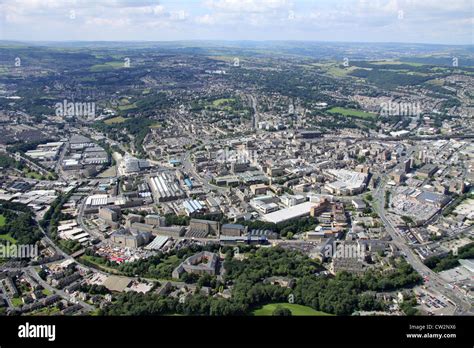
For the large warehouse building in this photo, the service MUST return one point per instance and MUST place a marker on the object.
(293, 212)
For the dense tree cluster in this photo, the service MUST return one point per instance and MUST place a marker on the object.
(51, 220)
(19, 222)
(439, 263)
(94, 289)
(267, 262)
(26, 145)
(150, 304)
(53, 215)
(294, 226)
(281, 312)
(408, 306)
(295, 83)
(159, 266)
(137, 127)
(346, 292)
(342, 295)
(389, 79)
(457, 200)
(8, 162)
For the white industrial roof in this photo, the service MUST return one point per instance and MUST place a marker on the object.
(289, 213)
(157, 243)
(97, 200)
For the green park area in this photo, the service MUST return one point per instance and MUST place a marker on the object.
(295, 309)
(8, 238)
(17, 302)
(126, 107)
(350, 112)
(222, 101)
(118, 119)
(107, 66)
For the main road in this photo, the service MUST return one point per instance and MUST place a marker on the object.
(432, 279)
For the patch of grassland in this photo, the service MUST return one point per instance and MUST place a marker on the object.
(295, 309)
(118, 119)
(351, 112)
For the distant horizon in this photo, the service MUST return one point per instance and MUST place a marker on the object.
(238, 41)
(353, 21)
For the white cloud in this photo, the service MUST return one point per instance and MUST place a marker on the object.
(143, 10)
(116, 22)
(355, 20)
(206, 19)
(247, 5)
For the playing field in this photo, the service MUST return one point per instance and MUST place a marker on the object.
(118, 119)
(127, 107)
(351, 112)
(219, 102)
(295, 309)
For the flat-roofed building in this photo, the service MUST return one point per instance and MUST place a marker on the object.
(154, 220)
(116, 283)
(211, 227)
(129, 239)
(427, 171)
(204, 262)
(320, 207)
(274, 171)
(233, 230)
(259, 189)
(347, 182)
(359, 204)
(109, 213)
(296, 211)
(171, 231)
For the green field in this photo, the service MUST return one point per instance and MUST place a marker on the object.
(17, 302)
(107, 66)
(113, 120)
(219, 102)
(3, 220)
(437, 82)
(336, 71)
(295, 309)
(33, 175)
(8, 238)
(396, 62)
(127, 107)
(351, 112)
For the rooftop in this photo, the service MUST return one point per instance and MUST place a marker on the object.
(289, 213)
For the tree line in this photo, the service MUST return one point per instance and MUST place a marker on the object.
(342, 294)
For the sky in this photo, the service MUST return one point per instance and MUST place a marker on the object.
(412, 21)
